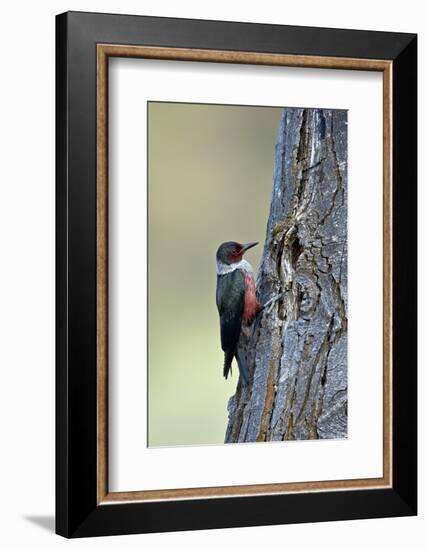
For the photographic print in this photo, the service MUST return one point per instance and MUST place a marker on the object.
(202, 274)
(247, 274)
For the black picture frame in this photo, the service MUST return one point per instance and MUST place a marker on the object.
(77, 511)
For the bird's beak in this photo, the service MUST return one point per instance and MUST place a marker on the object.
(247, 246)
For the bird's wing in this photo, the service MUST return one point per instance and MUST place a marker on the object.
(230, 304)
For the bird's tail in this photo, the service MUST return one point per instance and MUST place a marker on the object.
(228, 358)
(242, 365)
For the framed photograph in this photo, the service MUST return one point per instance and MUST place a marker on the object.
(236, 274)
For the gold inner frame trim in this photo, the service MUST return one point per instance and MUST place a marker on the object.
(104, 51)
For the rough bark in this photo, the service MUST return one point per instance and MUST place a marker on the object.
(297, 356)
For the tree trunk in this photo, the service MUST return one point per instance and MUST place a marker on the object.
(297, 356)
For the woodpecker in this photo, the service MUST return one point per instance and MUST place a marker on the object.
(237, 301)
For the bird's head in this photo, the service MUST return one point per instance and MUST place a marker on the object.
(231, 252)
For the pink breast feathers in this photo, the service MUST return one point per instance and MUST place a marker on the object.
(251, 304)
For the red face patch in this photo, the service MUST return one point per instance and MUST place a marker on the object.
(235, 254)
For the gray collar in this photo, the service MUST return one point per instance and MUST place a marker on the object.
(243, 265)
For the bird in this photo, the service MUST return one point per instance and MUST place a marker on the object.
(236, 300)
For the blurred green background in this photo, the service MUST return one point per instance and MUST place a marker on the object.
(210, 173)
